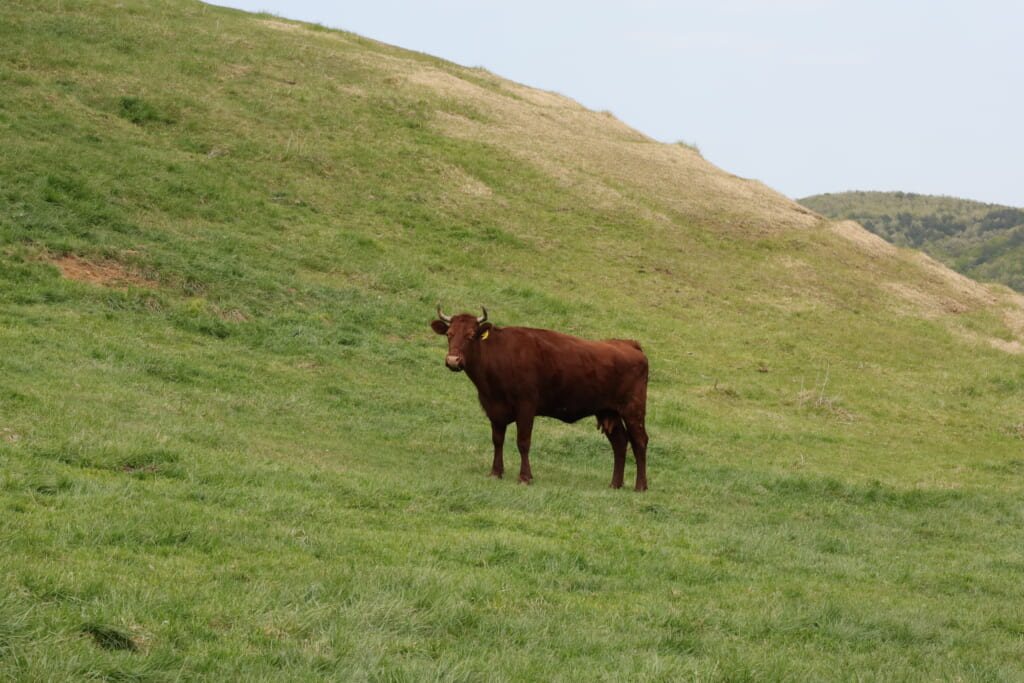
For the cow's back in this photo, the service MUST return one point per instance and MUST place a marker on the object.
(563, 376)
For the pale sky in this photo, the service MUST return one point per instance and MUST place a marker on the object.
(807, 96)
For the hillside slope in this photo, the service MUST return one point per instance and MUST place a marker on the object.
(982, 241)
(229, 448)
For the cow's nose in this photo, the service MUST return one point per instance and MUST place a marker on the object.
(454, 363)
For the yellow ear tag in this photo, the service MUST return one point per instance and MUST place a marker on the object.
(486, 334)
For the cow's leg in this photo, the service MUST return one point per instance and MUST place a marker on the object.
(611, 425)
(638, 440)
(498, 438)
(524, 431)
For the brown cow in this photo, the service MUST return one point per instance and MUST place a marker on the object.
(520, 373)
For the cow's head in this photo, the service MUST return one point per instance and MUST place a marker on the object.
(464, 333)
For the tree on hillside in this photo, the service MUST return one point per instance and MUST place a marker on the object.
(983, 241)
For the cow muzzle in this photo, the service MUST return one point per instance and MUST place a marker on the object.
(454, 363)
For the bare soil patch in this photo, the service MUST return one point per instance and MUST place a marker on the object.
(106, 273)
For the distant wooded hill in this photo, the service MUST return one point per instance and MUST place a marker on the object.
(982, 241)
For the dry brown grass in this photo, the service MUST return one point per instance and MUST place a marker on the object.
(595, 154)
(931, 290)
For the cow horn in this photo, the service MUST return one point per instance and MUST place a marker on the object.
(482, 318)
(442, 316)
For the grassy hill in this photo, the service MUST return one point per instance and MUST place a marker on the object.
(229, 449)
(982, 241)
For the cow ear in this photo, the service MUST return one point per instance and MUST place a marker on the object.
(483, 330)
(439, 326)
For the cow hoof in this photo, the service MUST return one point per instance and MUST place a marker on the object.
(526, 480)
(495, 474)
(616, 485)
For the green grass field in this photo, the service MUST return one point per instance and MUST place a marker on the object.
(230, 450)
